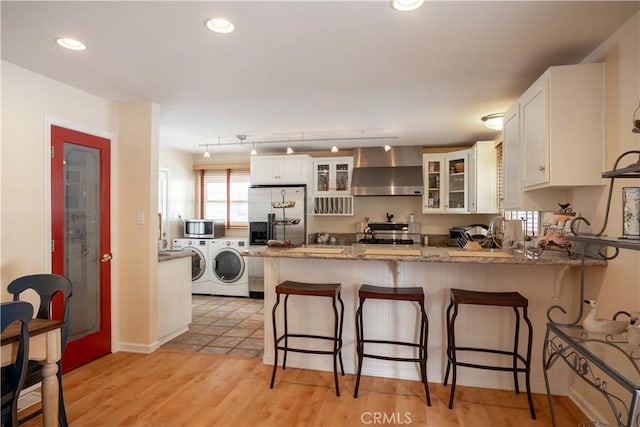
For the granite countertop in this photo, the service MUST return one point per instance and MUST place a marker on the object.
(414, 253)
(172, 254)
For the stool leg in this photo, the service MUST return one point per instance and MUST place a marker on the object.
(359, 345)
(336, 326)
(515, 350)
(452, 337)
(528, 363)
(424, 337)
(340, 333)
(448, 327)
(275, 340)
(286, 333)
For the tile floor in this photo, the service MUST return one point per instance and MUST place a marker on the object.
(224, 325)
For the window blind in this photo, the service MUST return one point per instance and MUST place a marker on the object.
(223, 194)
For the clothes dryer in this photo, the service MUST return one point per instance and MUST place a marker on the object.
(229, 272)
(200, 258)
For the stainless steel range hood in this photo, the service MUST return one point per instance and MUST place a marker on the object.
(397, 172)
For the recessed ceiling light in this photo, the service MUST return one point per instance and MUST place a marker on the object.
(220, 25)
(406, 5)
(69, 43)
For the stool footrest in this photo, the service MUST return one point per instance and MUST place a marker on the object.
(408, 344)
(392, 358)
(492, 351)
(308, 351)
(491, 368)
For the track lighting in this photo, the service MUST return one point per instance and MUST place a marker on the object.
(334, 149)
(387, 147)
(206, 151)
(253, 149)
(289, 150)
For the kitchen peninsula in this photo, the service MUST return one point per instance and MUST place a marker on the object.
(546, 281)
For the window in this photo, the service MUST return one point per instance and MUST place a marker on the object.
(531, 219)
(223, 194)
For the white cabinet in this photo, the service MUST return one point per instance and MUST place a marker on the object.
(446, 182)
(483, 178)
(174, 298)
(463, 181)
(562, 128)
(332, 175)
(332, 186)
(511, 170)
(276, 170)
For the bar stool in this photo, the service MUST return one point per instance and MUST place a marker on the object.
(499, 299)
(413, 294)
(331, 290)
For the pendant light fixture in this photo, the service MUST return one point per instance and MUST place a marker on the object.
(334, 149)
(253, 150)
(206, 151)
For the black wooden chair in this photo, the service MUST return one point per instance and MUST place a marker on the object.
(13, 375)
(46, 286)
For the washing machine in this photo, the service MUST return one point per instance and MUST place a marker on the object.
(229, 272)
(200, 259)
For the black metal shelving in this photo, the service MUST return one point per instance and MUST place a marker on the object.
(573, 345)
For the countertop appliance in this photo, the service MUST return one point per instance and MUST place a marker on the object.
(390, 233)
(278, 213)
(204, 228)
(230, 275)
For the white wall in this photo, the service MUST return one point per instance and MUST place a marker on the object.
(29, 100)
(618, 287)
(180, 190)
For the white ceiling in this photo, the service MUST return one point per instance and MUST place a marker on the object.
(309, 70)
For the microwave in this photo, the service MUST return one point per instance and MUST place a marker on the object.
(204, 228)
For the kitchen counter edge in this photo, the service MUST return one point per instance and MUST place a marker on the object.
(171, 255)
(428, 254)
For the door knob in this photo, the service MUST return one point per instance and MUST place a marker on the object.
(106, 258)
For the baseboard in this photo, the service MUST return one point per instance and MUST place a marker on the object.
(256, 294)
(590, 412)
(138, 348)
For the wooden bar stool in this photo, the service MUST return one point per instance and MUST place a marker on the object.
(330, 290)
(499, 299)
(413, 294)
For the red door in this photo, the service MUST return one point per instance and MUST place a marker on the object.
(81, 247)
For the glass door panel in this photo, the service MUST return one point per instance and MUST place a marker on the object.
(82, 237)
(342, 176)
(322, 177)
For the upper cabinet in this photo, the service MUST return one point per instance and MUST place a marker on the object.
(446, 182)
(461, 181)
(332, 186)
(483, 178)
(332, 175)
(512, 172)
(277, 170)
(561, 128)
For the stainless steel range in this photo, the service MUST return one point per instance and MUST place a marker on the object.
(390, 233)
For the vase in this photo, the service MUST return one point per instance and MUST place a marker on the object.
(631, 213)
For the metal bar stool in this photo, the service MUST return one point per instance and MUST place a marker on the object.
(331, 290)
(500, 299)
(414, 294)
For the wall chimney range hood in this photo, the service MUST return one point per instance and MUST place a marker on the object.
(397, 172)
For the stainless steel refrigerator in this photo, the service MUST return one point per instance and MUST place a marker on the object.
(278, 213)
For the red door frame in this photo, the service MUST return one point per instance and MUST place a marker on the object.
(93, 346)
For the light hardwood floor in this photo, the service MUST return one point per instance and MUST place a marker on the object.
(178, 388)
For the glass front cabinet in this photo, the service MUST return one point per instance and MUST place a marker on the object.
(446, 182)
(332, 175)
